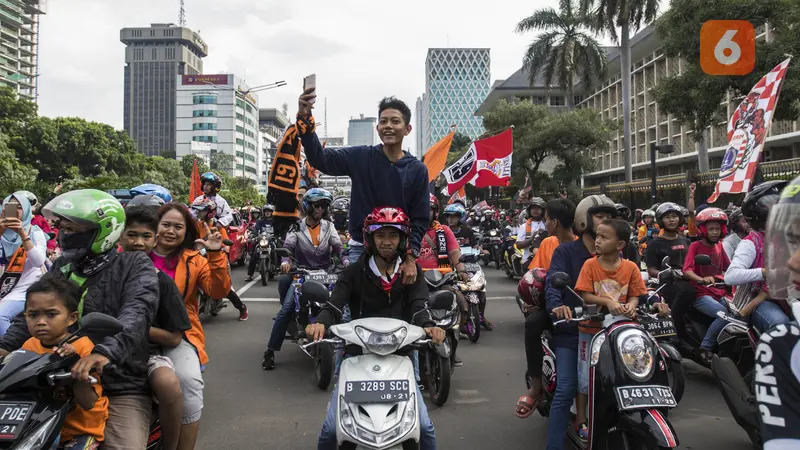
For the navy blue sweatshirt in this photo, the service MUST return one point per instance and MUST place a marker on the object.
(568, 258)
(377, 182)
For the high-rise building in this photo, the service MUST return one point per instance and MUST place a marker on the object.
(333, 141)
(154, 57)
(219, 110)
(419, 125)
(361, 131)
(271, 124)
(456, 84)
(19, 54)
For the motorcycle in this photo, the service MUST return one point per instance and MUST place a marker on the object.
(474, 291)
(36, 391)
(437, 367)
(264, 250)
(513, 265)
(377, 394)
(493, 242)
(629, 393)
(208, 305)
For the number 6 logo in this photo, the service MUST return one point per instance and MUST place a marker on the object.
(727, 47)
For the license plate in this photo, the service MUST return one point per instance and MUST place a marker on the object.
(327, 278)
(12, 418)
(390, 391)
(472, 267)
(658, 327)
(641, 397)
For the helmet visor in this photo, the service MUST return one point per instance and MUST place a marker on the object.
(373, 228)
(783, 244)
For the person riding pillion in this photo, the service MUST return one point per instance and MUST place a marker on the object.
(211, 184)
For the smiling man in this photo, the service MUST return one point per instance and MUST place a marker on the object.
(382, 175)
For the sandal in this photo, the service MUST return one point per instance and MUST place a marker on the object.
(526, 405)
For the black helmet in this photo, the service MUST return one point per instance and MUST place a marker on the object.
(146, 200)
(340, 205)
(668, 207)
(733, 218)
(623, 212)
(759, 200)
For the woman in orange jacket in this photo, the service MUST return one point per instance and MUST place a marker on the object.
(175, 255)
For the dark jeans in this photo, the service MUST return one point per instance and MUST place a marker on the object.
(535, 323)
(281, 324)
(680, 295)
(284, 282)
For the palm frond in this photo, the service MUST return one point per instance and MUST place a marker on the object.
(541, 19)
(538, 52)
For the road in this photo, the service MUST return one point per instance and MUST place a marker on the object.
(248, 408)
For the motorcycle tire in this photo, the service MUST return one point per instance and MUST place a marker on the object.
(323, 365)
(439, 379)
(262, 269)
(242, 261)
(474, 323)
(677, 379)
(497, 259)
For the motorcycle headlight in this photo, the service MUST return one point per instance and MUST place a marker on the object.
(636, 353)
(397, 431)
(346, 418)
(596, 344)
(263, 243)
(36, 440)
(493, 233)
(382, 343)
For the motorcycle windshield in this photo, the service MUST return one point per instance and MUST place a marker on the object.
(22, 364)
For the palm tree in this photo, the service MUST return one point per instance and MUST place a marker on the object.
(624, 14)
(566, 47)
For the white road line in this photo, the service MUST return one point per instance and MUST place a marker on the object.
(246, 287)
(275, 299)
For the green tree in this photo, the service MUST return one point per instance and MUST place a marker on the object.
(222, 162)
(566, 47)
(16, 175)
(694, 97)
(626, 15)
(15, 113)
(187, 163)
(540, 135)
(169, 154)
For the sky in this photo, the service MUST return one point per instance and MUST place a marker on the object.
(360, 50)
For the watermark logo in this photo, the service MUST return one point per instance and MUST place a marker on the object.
(727, 47)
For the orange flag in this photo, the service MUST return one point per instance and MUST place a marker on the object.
(436, 156)
(195, 188)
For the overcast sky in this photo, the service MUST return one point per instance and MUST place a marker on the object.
(361, 50)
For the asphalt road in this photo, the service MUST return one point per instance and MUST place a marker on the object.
(248, 408)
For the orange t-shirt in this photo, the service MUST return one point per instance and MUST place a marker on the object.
(545, 253)
(314, 233)
(79, 422)
(620, 284)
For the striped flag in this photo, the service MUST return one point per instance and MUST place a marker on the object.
(461, 194)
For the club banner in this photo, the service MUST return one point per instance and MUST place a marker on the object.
(747, 131)
(461, 194)
(486, 163)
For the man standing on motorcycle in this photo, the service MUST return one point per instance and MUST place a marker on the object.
(371, 287)
(712, 226)
(211, 184)
(778, 395)
(680, 294)
(739, 229)
(526, 232)
(570, 258)
(748, 268)
(312, 245)
(265, 220)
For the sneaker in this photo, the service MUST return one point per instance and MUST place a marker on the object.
(243, 313)
(457, 362)
(268, 363)
(248, 279)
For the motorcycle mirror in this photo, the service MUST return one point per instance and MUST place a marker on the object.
(560, 280)
(702, 260)
(665, 262)
(441, 300)
(283, 252)
(96, 326)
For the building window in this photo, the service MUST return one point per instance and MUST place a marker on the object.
(204, 113)
(155, 54)
(577, 99)
(204, 138)
(249, 108)
(204, 99)
(152, 32)
(239, 141)
(539, 100)
(240, 117)
(240, 103)
(556, 100)
(204, 126)
(239, 129)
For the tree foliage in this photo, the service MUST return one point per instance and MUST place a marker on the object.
(541, 135)
(694, 97)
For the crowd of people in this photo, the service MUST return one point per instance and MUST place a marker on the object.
(146, 263)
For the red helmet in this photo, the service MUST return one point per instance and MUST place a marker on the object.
(712, 215)
(531, 287)
(434, 203)
(386, 217)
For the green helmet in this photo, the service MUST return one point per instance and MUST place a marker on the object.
(92, 209)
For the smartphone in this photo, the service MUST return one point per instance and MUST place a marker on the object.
(310, 82)
(10, 210)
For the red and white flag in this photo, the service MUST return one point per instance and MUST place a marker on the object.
(461, 194)
(486, 163)
(747, 132)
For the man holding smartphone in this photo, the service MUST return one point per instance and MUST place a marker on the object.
(382, 175)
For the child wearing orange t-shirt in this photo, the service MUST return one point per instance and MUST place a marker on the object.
(51, 307)
(611, 282)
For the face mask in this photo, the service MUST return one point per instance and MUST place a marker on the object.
(75, 242)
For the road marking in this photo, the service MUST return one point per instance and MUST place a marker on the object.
(276, 299)
(499, 298)
(246, 287)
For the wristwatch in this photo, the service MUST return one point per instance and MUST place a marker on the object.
(413, 252)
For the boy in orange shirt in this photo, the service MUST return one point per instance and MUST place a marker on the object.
(611, 282)
(51, 307)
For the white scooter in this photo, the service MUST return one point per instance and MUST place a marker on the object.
(377, 391)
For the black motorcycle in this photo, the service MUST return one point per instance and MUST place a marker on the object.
(436, 361)
(629, 392)
(265, 252)
(36, 394)
(492, 241)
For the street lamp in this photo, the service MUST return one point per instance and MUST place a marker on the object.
(665, 149)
